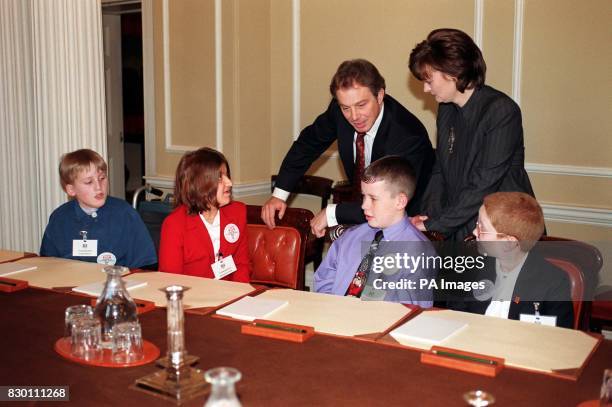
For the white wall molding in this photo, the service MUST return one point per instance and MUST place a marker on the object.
(478, 22)
(569, 170)
(218, 75)
(552, 212)
(176, 148)
(296, 60)
(171, 148)
(577, 215)
(251, 188)
(236, 87)
(517, 54)
(239, 190)
(160, 182)
(148, 74)
(535, 168)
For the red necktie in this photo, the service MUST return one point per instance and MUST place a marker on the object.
(355, 288)
(359, 165)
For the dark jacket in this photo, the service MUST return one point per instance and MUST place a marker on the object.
(400, 133)
(538, 281)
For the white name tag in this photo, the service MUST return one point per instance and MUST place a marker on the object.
(84, 248)
(224, 267)
(549, 320)
(107, 258)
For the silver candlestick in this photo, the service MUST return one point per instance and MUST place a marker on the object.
(178, 381)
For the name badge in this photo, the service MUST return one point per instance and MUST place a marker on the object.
(224, 267)
(84, 248)
(549, 320)
(231, 233)
(107, 258)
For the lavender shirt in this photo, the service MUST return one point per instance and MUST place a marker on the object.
(339, 266)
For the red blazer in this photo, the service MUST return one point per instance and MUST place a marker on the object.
(186, 248)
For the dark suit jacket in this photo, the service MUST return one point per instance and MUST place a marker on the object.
(538, 281)
(488, 156)
(400, 133)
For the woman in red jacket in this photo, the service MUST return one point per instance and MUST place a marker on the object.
(205, 235)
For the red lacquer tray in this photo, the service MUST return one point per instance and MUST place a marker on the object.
(151, 353)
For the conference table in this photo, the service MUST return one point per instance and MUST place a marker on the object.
(326, 370)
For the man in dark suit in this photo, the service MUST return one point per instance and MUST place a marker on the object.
(517, 278)
(368, 125)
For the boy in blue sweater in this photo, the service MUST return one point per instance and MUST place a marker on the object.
(92, 226)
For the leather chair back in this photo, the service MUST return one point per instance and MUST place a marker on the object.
(297, 218)
(311, 185)
(277, 256)
(586, 259)
(576, 286)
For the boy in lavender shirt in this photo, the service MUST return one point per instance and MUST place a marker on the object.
(382, 259)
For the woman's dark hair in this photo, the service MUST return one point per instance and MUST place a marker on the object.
(197, 178)
(452, 52)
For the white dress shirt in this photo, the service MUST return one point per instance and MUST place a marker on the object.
(214, 231)
(330, 211)
(503, 289)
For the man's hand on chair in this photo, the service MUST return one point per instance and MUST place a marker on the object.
(418, 222)
(268, 211)
(318, 224)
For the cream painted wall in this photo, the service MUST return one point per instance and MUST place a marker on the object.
(192, 53)
(245, 35)
(382, 32)
(574, 191)
(253, 122)
(281, 92)
(566, 82)
(564, 90)
(498, 42)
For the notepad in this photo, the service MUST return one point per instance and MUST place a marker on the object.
(251, 308)
(429, 329)
(95, 289)
(12, 268)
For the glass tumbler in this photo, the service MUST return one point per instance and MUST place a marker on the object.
(127, 342)
(73, 314)
(86, 339)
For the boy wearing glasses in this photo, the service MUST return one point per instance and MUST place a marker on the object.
(92, 226)
(519, 283)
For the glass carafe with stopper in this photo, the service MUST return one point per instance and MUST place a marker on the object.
(223, 393)
(114, 305)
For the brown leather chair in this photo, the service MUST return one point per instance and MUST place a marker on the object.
(342, 191)
(297, 218)
(277, 256)
(317, 186)
(576, 286)
(601, 310)
(587, 260)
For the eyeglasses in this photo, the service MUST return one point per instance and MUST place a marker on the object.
(484, 232)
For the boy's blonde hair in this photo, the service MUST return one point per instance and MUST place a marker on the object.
(73, 163)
